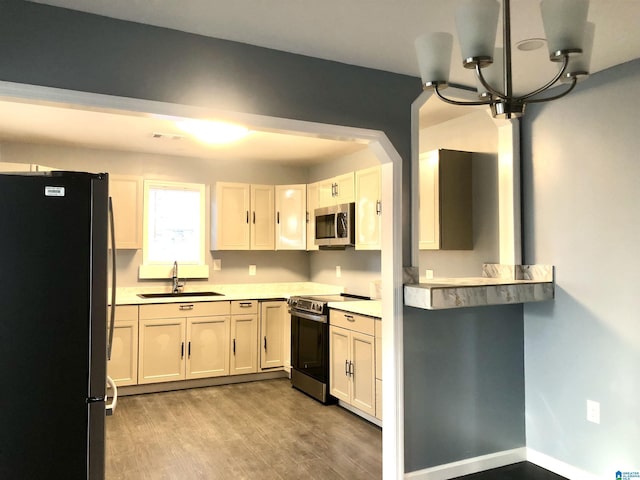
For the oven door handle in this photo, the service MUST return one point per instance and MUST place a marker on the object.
(308, 316)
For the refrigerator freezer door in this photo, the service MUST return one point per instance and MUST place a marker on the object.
(52, 325)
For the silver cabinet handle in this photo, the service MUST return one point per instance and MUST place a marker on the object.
(186, 307)
(346, 368)
(189, 350)
(234, 346)
(182, 350)
(247, 216)
(254, 218)
(246, 304)
(378, 207)
(265, 343)
(350, 318)
(351, 368)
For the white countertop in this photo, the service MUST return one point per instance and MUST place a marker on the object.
(256, 291)
(371, 308)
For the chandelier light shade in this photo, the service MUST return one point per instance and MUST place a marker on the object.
(476, 24)
(564, 25)
(434, 57)
(569, 38)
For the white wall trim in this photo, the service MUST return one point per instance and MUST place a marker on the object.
(558, 467)
(470, 465)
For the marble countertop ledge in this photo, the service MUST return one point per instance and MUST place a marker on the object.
(443, 293)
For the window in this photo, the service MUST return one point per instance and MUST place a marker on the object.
(174, 230)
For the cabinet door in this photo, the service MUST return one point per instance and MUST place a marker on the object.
(368, 202)
(344, 189)
(126, 193)
(339, 379)
(262, 217)
(429, 202)
(363, 391)
(230, 222)
(244, 344)
(272, 320)
(123, 365)
(291, 212)
(162, 350)
(326, 191)
(207, 347)
(313, 192)
(378, 399)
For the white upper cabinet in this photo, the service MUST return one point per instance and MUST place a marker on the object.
(230, 216)
(126, 193)
(262, 217)
(242, 217)
(291, 212)
(368, 208)
(336, 190)
(445, 191)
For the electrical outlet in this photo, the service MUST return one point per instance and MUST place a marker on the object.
(428, 274)
(593, 411)
(217, 264)
(338, 271)
(252, 270)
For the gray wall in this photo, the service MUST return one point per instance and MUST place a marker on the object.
(44, 45)
(581, 197)
(464, 383)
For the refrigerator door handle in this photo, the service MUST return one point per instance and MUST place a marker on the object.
(113, 278)
(111, 407)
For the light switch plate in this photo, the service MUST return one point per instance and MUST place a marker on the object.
(252, 270)
(217, 264)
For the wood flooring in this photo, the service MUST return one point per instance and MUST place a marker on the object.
(257, 430)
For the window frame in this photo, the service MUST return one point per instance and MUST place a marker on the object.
(160, 269)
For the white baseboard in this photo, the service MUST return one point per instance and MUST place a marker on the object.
(469, 465)
(500, 459)
(558, 467)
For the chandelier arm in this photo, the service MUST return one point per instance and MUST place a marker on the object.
(574, 81)
(462, 103)
(486, 85)
(565, 64)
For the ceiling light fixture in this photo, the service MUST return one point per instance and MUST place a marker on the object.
(569, 38)
(213, 132)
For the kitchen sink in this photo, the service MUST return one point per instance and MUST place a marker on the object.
(180, 294)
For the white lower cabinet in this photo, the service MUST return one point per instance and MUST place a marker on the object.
(123, 364)
(244, 337)
(183, 340)
(378, 335)
(352, 360)
(273, 335)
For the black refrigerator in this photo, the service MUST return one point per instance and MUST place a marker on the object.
(53, 308)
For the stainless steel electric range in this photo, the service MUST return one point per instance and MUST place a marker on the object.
(310, 343)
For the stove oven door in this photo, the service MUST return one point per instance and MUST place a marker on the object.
(310, 345)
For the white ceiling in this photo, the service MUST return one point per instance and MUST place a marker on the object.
(61, 125)
(371, 33)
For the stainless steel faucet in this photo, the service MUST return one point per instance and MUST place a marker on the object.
(177, 286)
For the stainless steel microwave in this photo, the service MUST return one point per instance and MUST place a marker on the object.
(335, 226)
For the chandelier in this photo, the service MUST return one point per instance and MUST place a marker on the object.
(569, 39)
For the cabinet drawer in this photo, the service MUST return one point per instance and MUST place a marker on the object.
(351, 321)
(244, 307)
(126, 312)
(186, 309)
